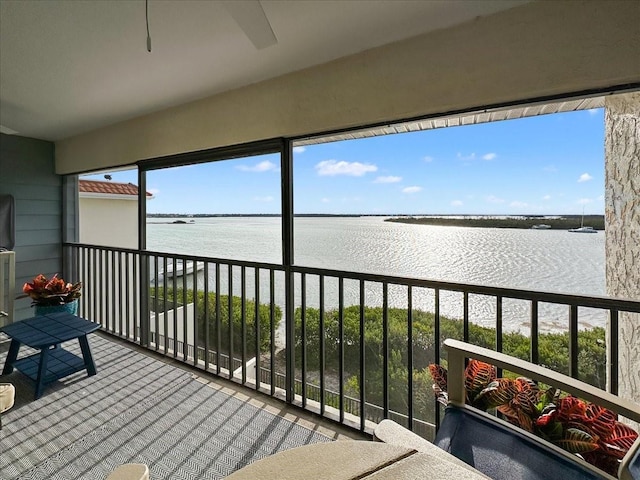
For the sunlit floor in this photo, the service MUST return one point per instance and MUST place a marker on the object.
(142, 408)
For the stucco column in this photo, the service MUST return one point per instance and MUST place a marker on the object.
(622, 224)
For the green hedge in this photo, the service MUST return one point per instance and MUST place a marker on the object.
(553, 351)
(264, 316)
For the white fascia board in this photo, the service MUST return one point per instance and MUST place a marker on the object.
(110, 196)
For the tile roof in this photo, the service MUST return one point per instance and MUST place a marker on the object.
(111, 188)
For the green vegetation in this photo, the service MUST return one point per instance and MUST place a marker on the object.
(553, 351)
(563, 223)
(264, 316)
(553, 347)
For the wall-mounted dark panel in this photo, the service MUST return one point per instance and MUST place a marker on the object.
(7, 222)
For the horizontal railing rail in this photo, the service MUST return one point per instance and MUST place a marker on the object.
(362, 341)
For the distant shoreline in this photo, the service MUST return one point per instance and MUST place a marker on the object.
(555, 222)
(560, 223)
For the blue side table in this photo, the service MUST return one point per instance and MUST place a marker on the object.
(44, 333)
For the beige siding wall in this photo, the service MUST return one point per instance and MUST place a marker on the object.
(622, 216)
(539, 49)
(110, 222)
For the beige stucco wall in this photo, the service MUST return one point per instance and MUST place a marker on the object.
(622, 217)
(111, 222)
(538, 49)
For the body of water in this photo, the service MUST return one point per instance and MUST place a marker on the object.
(542, 260)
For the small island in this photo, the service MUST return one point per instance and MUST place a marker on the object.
(560, 222)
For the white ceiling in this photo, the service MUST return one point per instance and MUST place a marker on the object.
(70, 66)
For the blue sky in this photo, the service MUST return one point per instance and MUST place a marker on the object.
(544, 165)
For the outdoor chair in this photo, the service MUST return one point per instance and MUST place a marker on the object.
(504, 452)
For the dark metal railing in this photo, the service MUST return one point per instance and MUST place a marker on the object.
(361, 343)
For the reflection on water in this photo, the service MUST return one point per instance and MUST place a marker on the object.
(542, 260)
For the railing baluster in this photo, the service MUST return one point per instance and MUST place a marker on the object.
(113, 289)
(230, 309)
(218, 320)
(534, 353)
(101, 313)
(410, 356)
(499, 342)
(94, 287)
(127, 286)
(465, 320)
(321, 342)
(436, 347)
(341, 346)
(614, 331)
(362, 359)
(85, 276)
(196, 355)
(243, 319)
(303, 334)
(573, 341)
(156, 306)
(206, 314)
(164, 304)
(136, 305)
(272, 329)
(174, 282)
(120, 295)
(185, 318)
(385, 349)
(257, 322)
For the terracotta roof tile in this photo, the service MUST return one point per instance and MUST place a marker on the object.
(112, 188)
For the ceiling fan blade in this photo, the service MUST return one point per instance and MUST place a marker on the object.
(7, 130)
(250, 16)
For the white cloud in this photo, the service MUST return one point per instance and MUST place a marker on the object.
(585, 177)
(466, 157)
(413, 189)
(457, 203)
(428, 159)
(600, 198)
(584, 201)
(266, 199)
(325, 200)
(494, 199)
(335, 167)
(550, 168)
(489, 156)
(299, 149)
(263, 166)
(546, 197)
(517, 204)
(389, 179)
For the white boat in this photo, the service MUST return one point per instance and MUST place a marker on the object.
(583, 230)
(179, 271)
(542, 226)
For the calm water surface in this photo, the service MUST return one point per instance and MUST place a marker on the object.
(551, 260)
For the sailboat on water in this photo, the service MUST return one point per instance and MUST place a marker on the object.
(582, 228)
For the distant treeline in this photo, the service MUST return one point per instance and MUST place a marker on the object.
(211, 215)
(564, 223)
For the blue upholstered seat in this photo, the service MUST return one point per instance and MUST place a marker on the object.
(503, 452)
